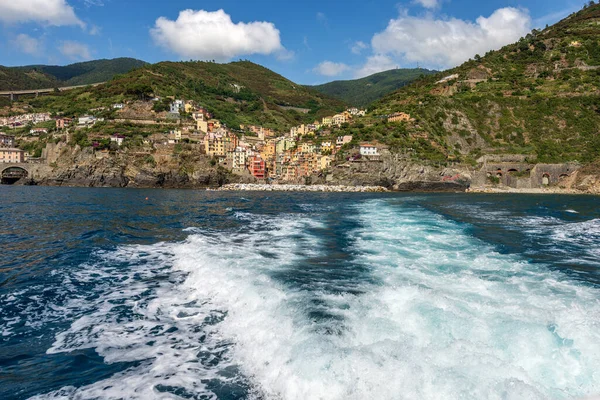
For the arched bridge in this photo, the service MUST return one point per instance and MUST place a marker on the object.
(12, 173)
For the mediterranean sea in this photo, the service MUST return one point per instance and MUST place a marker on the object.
(174, 294)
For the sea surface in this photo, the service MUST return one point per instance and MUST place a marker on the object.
(153, 294)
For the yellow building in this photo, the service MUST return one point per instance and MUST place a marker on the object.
(268, 151)
(399, 117)
(189, 107)
(218, 145)
(325, 162)
(327, 121)
(308, 147)
(202, 125)
(339, 119)
(326, 146)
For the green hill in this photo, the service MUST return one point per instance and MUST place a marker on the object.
(362, 92)
(237, 93)
(16, 79)
(538, 96)
(47, 76)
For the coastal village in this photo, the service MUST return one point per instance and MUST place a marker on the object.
(256, 151)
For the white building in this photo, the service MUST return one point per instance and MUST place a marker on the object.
(369, 150)
(88, 120)
(239, 156)
(177, 106)
(356, 112)
(38, 131)
(118, 139)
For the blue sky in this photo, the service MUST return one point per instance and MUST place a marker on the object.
(307, 41)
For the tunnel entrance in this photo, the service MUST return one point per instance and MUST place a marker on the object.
(546, 179)
(12, 174)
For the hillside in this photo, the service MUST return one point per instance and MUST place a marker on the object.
(538, 97)
(16, 79)
(48, 76)
(364, 91)
(237, 93)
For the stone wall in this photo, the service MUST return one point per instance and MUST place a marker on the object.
(552, 172)
(540, 175)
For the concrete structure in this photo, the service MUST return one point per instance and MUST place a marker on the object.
(513, 171)
(15, 94)
(11, 173)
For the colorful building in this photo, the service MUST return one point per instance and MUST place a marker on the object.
(257, 167)
(9, 155)
(399, 117)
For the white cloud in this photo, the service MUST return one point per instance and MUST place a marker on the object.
(28, 44)
(428, 3)
(328, 68)
(95, 30)
(208, 35)
(75, 50)
(375, 63)
(358, 47)
(51, 12)
(443, 43)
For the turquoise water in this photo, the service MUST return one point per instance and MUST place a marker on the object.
(204, 295)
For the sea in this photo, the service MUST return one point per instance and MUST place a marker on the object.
(181, 294)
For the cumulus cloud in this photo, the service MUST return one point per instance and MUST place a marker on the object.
(358, 47)
(75, 50)
(328, 68)
(50, 12)
(444, 43)
(375, 63)
(28, 44)
(428, 3)
(209, 35)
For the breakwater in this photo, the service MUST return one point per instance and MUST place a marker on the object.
(301, 188)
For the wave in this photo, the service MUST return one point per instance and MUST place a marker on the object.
(438, 315)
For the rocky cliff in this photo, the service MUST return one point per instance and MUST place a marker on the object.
(396, 173)
(85, 168)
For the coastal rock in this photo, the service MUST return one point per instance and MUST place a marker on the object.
(302, 188)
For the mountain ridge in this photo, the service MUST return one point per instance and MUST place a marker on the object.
(238, 93)
(363, 91)
(31, 77)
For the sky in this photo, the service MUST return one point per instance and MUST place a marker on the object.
(308, 41)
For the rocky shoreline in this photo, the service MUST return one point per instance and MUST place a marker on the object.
(508, 190)
(252, 187)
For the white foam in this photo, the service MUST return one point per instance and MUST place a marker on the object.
(442, 316)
